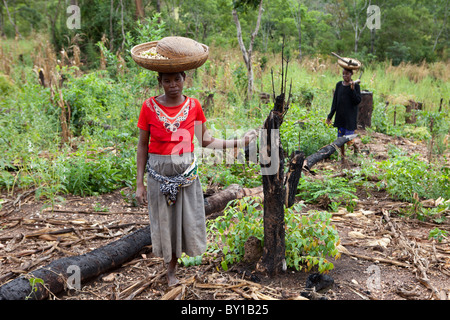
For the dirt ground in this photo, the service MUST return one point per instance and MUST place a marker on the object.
(383, 255)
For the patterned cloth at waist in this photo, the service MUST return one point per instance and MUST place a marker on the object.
(170, 186)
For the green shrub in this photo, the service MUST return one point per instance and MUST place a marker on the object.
(310, 238)
(332, 190)
(406, 175)
(305, 130)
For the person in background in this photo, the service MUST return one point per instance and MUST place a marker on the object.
(347, 96)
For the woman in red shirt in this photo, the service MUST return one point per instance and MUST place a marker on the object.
(167, 125)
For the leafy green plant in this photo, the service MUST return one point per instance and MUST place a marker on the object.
(152, 28)
(329, 190)
(366, 139)
(310, 238)
(188, 261)
(246, 175)
(406, 175)
(33, 283)
(241, 219)
(437, 234)
(305, 130)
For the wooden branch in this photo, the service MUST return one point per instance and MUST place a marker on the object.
(349, 62)
(255, 32)
(325, 152)
(239, 36)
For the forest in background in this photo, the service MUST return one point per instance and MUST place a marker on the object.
(409, 30)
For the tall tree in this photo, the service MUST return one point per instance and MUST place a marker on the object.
(18, 34)
(140, 12)
(440, 9)
(357, 17)
(297, 9)
(247, 53)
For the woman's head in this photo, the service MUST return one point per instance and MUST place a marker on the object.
(172, 83)
(347, 75)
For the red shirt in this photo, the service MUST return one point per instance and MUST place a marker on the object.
(171, 128)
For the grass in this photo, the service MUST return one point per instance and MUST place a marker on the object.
(105, 106)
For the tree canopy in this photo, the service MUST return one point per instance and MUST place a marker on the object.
(410, 30)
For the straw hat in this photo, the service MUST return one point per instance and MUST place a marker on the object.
(170, 54)
(349, 63)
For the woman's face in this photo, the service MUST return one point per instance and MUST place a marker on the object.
(172, 83)
(346, 75)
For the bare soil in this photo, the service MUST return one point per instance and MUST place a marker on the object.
(384, 256)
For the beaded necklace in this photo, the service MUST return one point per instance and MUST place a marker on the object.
(171, 124)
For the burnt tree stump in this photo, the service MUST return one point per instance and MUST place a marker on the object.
(293, 176)
(410, 112)
(272, 170)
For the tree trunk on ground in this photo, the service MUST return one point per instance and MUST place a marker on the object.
(325, 152)
(113, 255)
(410, 113)
(219, 201)
(90, 265)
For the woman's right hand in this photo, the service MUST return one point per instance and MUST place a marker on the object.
(141, 194)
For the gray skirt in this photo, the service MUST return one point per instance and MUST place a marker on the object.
(181, 227)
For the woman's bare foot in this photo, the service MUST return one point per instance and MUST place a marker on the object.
(171, 272)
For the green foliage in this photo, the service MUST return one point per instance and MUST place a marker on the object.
(89, 174)
(333, 190)
(187, 261)
(310, 238)
(305, 130)
(33, 283)
(6, 86)
(437, 234)
(246, 175)
(404, 176)
(150, 29)
(241, 219)
(323, 29)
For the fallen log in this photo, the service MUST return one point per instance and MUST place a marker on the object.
(219, 200)
(90, 265)
(326, 151)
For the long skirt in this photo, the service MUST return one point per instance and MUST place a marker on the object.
(181, 227)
